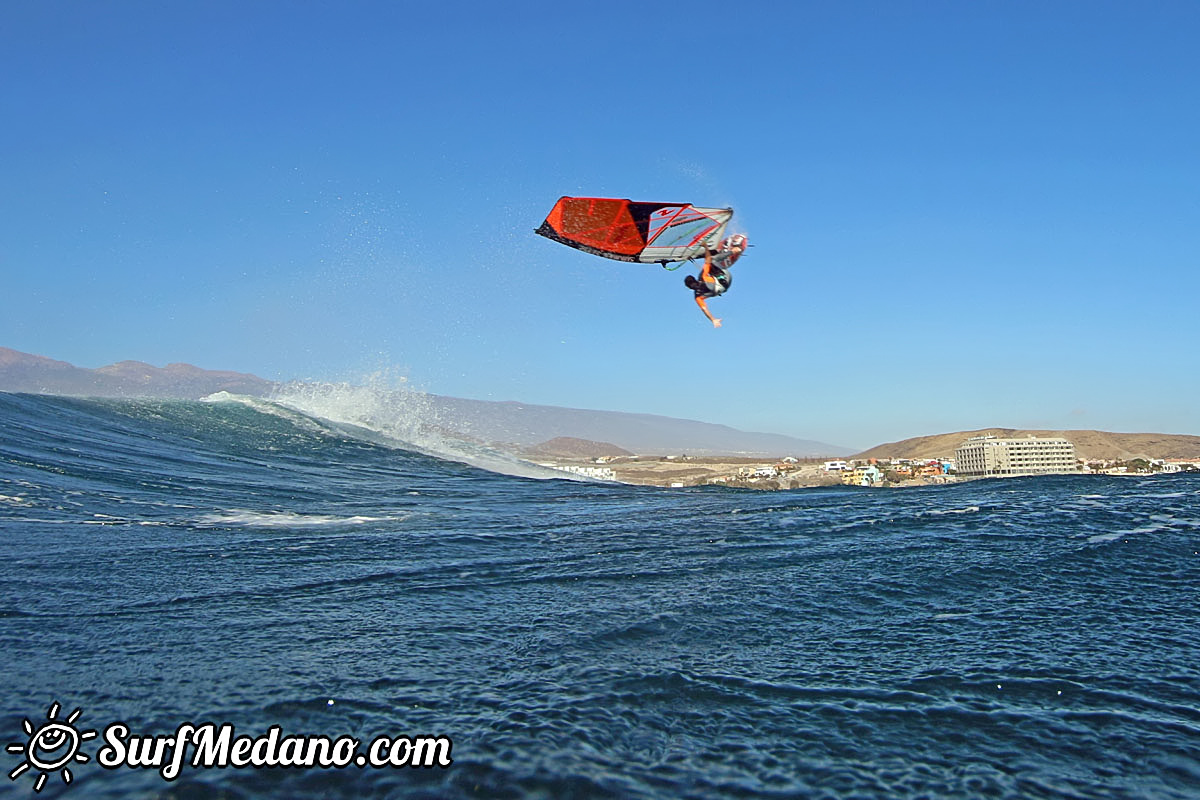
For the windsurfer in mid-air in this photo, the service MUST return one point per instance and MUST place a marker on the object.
(651, 233)
(715, 279)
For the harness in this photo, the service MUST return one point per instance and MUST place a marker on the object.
(718, 280)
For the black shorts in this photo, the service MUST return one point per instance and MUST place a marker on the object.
(697, 286)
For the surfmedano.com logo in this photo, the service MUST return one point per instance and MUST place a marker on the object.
(54, 746)
(51, 747)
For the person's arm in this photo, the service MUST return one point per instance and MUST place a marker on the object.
(708, 254)
(704, 307)
(704, 275)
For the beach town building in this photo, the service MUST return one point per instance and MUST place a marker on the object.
(759, 472)
(931, 469)
(599, 473)
(989, 457)
(862, 475)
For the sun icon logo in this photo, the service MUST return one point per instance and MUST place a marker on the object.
(51, 747)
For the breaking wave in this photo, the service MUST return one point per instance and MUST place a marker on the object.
(395, 418)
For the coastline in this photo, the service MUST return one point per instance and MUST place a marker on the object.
(733, 471)
(678, 472)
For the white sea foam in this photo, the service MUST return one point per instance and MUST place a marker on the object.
(15, 501)
(941, 511)
(286, 519)
(1163, 525)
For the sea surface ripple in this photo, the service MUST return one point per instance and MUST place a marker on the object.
(164, 562)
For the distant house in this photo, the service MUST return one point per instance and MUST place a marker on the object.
(599, 473)
(758, 472)
(864, 475)
(835, 466)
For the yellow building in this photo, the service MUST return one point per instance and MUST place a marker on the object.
(862, 475)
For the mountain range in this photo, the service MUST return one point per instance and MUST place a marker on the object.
(509, 423)
(553, 429)
(23, 372)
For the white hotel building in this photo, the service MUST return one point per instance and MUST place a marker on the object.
(989, 457)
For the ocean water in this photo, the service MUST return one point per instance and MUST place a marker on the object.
(310, 566)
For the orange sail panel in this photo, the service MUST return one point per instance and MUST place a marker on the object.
(632, 231)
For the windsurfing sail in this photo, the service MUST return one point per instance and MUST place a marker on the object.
(625, 230)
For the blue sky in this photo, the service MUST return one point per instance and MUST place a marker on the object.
(964, 214)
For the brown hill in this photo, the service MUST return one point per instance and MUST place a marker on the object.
(570, 447)
(1099, 445)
